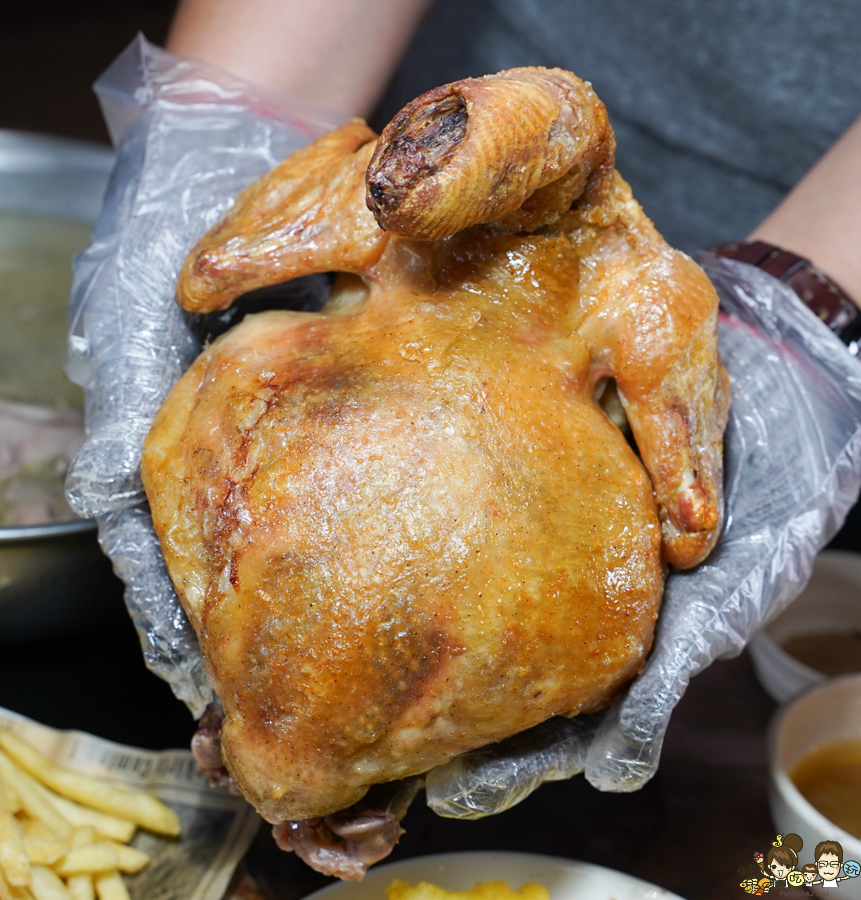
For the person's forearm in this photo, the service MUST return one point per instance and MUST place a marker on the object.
(820, 218)
(338, 54)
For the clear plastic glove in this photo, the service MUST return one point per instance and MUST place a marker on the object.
(189, 138)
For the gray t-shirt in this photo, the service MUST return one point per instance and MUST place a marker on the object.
(719, 107)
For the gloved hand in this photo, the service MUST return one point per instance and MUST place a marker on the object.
(189, 139)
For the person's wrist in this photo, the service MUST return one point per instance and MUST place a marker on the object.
(816, 290)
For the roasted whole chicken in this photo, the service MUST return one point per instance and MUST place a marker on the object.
(411, 524)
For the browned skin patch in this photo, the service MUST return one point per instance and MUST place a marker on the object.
(422, 145)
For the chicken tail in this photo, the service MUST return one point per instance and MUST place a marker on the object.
(347, 843)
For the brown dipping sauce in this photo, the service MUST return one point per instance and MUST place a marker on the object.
(829, 778)
(832, 653)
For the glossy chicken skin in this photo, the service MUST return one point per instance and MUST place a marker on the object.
(405, 527)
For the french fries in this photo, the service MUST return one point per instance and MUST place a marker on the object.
(13, 856)
(104, 856)
(45, 884)
(64, 835)
(111, 886)
(105, 825)
(142, 809)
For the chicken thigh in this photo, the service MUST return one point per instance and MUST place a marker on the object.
(406, 526)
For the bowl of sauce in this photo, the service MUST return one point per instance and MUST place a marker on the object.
(818, 636)
(829, 778)
(814, 748)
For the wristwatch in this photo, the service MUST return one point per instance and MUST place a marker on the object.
(819, 293)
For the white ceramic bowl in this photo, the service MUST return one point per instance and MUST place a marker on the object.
(830, 712)
(830, 602)
(565, 879)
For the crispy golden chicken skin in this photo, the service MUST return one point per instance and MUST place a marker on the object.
(405, 527)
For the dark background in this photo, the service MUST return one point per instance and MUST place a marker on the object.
(51, 53)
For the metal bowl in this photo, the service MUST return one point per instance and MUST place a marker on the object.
(53, 176)
(53, 578)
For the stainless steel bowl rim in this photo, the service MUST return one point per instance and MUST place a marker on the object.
(10, 535)
(28, 151)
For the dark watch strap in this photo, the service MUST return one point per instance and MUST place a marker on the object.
(824, 297)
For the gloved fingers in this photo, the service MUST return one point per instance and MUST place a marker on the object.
(619, 762)
(168, 641)
(791, 462)
(495, 778)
